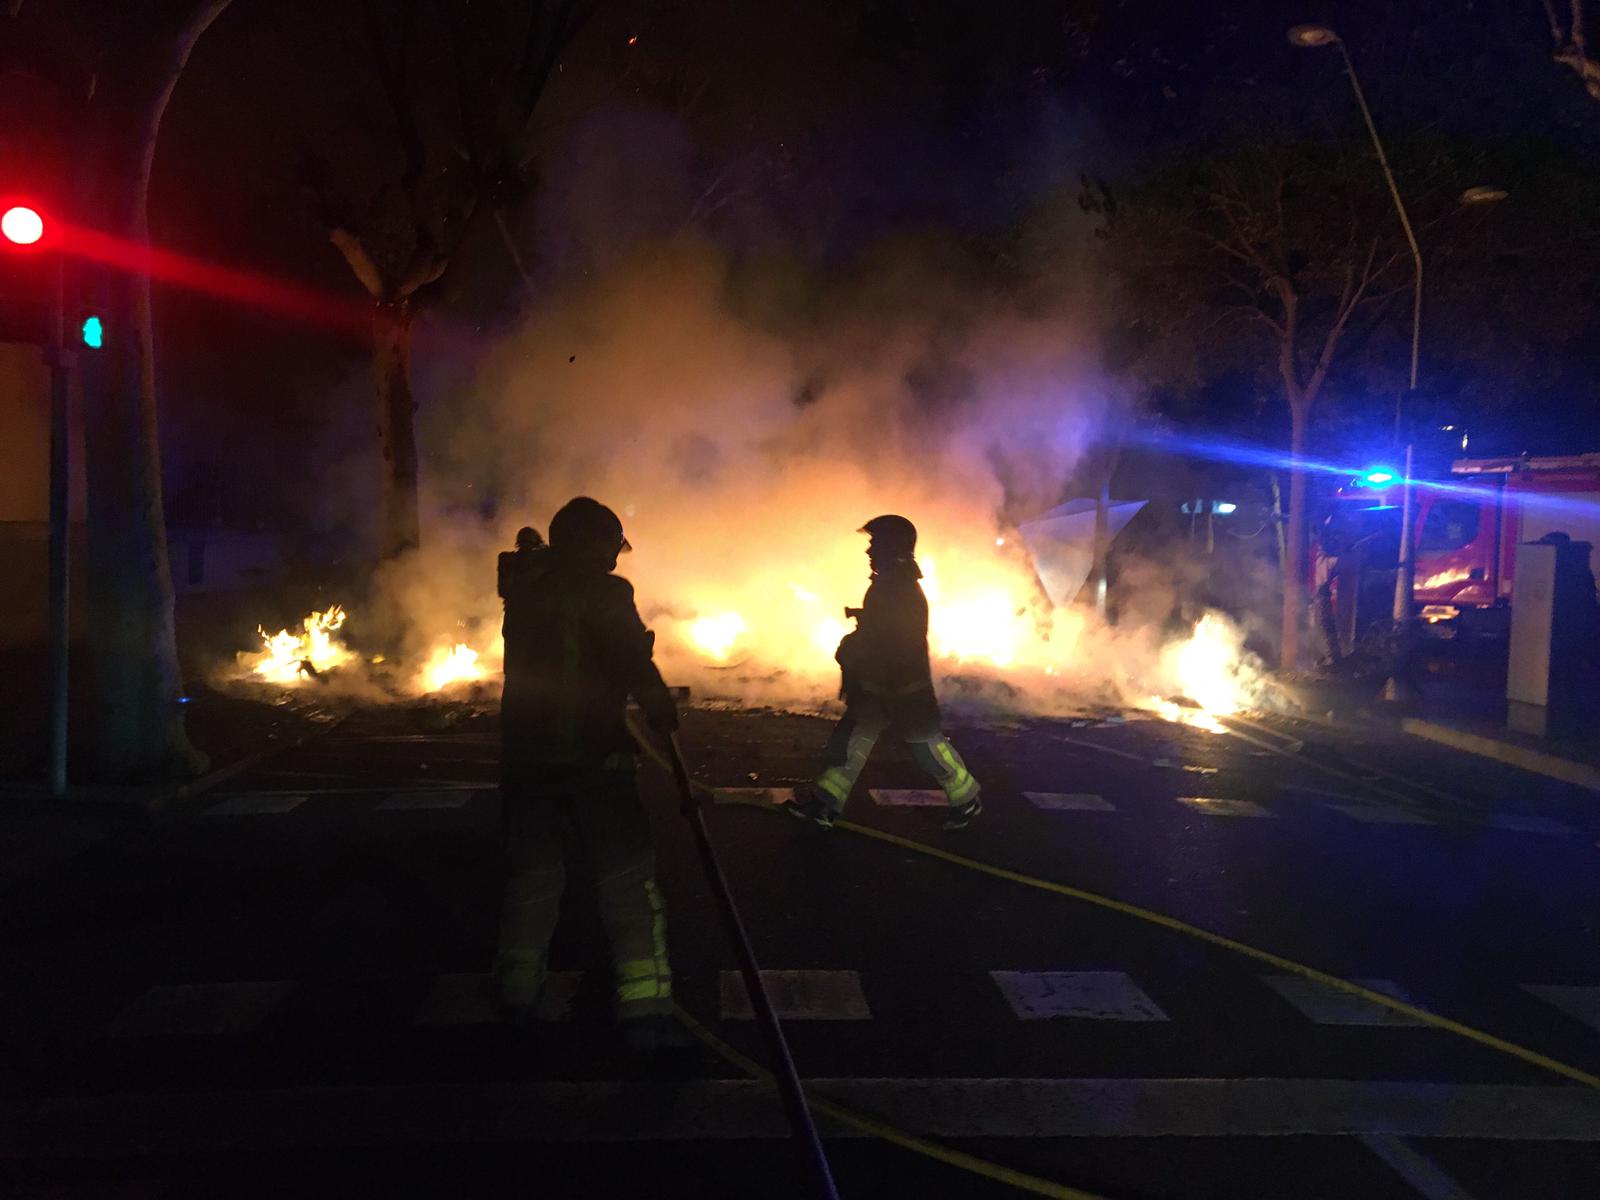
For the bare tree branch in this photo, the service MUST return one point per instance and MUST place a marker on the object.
(361, 264)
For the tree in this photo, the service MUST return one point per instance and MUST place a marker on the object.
(441, 114)
(1572, 45)
(1272, 252)
(131, 56)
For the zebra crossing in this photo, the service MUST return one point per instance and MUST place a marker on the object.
(801, 995)
(446, 794)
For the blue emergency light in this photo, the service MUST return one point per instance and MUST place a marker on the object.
(1377, 477)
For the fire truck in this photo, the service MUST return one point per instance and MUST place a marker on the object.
(1464, 532)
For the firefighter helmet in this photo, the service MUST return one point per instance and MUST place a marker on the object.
(585, 525)
(528, 538)
(892, 534)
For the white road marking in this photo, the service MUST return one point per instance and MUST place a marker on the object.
(1094, 995)
(430, 798)
(1381, 814)
(249, 804)
(1216, 807)
(1330, 1006)
(1069, 801)
(473, 1000)
(1514, 823)
(914, 797)
(200, 1008)
(755, 795)
(799, 996)
(1579, 1003)
(1421, 1172)
(57, 1127)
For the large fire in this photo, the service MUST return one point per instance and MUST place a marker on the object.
(775, 637)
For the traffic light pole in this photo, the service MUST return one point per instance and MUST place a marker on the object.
(61, 361)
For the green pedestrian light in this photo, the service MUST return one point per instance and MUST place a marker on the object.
(94, 333)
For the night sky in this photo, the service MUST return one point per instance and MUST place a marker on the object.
(824, 131)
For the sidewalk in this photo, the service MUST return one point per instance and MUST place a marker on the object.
(1466, 714)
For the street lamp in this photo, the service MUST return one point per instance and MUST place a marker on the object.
(1310, 36)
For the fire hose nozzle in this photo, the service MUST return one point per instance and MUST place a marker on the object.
(852, 614)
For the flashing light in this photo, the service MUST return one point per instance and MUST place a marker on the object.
(22, 225)
(1377, 477)
(1224, 508)
(94, 333)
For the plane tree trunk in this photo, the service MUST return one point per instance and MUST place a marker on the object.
(138, 718)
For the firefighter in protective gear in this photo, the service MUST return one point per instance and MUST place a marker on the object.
(887, 685)
(516, 568)
(575, 651)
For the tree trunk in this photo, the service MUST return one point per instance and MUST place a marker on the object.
(1295, 543)
(139, 726)
(399, 527)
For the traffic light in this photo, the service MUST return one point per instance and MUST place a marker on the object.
(94, 332)
(28, 250)
(22, 226)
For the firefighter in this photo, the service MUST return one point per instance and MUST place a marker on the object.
(575, 651)
(515, 568)
(887, 685)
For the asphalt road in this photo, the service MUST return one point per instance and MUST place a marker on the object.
(282, 988)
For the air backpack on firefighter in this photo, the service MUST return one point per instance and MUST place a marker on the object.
(887, 685)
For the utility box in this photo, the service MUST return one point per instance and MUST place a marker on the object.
(1552, 621)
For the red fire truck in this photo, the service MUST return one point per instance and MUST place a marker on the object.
(1465, 533)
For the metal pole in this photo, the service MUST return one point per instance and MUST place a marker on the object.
(789, 1088)
(1404, 581)
(1399, 207)
(60, 361)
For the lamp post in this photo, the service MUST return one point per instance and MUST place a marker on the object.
(1320, 35)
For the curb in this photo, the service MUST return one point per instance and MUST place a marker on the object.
(1523, 757)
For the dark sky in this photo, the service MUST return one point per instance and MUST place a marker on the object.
(831, 125)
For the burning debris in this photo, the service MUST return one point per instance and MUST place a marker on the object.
(316, 653)
(287, 658)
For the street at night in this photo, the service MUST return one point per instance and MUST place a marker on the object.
(282, 984)
(799, 598)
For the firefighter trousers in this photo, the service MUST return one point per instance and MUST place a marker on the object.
(858, 732)
(591, 821)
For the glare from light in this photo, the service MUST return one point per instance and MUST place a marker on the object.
(1312, 35)
(1378, 477)
(1224, 508)
(21, 225)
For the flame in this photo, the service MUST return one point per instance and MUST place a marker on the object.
(716, 635)
(285, 656)
(450, 665)
(1209, 668)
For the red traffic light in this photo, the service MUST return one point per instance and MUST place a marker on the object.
(22, 226)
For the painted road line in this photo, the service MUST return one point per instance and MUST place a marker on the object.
(1112, 750)
(1069, 802)
(1380, 814)
(799, 996)
(755, 795)
(474, 1000)
(1329, 1006)
(1214, 806)
(1579, 1003)
(1091, 995)
(1515, 823)
(197, 1009)
(37, 1128)
(250, 804)
(909, 797)
(430, 798)
(1511, 753)
(1424, 1175)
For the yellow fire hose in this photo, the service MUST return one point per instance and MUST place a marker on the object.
(1031, 1183)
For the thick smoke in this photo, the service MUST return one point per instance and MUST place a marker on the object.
(744, 416)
